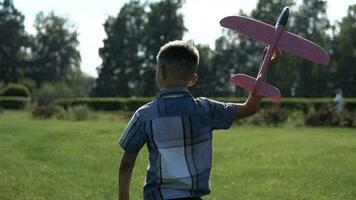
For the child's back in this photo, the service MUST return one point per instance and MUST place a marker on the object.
(178, 131)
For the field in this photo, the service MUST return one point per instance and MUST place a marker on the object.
(53, 159)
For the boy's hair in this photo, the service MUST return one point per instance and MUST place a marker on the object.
(178, 55)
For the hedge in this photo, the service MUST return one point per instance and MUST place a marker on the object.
(15, 90)
(14, 102)
(131, 104)
(105, 103)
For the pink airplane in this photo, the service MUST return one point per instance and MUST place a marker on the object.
(275, 37)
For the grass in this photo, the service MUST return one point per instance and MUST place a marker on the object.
(52, 159)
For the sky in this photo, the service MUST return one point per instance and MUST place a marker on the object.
(201, 17)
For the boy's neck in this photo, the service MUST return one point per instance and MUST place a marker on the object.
(173, 85)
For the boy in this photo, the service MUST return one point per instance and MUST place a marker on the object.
(177, 129)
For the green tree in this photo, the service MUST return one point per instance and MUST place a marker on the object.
(13, 42)
(206, 73)
(123, 53)
(55, 49)
(80, 83)
(345, 53)
(133, 40)
(165, 24)
(231, 56)
(311, 22)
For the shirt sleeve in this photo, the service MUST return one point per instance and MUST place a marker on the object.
(221, 115)
(133, 138)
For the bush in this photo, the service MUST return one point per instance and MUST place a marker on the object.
(322, 117)
(269, 116)
(44, 112)
(327, 116)
(105, 103)
(14, 102)
(28, 83)
(62, 114)
(15, 90)
(80, 112)
(1, 110)
(49, 92)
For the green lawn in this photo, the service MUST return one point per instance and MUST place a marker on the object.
(51, 159)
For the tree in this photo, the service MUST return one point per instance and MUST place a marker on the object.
(123, 53)
(231, 56)
(206, 73)
(133, 40)
(54, 49)
(345, 54)
(312, 80)
(164, 24)
(80, 83)
(13, 42)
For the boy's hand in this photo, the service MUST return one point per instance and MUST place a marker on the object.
(275, 56)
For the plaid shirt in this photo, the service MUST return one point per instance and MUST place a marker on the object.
(177, 129)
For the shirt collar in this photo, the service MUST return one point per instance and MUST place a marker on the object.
(173, 92)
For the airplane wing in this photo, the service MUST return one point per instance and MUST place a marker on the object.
(251, 28)
(304, 48)
(288, 42)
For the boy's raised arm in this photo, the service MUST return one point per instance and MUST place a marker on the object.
(125, 173)
(250, 106)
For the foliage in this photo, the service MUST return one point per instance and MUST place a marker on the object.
(133, 40)
(79, 83)
(44, 111)
(15, 90)
(13, 42)
(345, 54)
(123, 52)
(54, 49)
(28, 83)
(269, 117)
(311, 79)
(14, 102)
(164, 23)
(212, 77)
(135, 34)
(62, 114)
(80, 112)
(49, 92)
(328, 116)
(105, 103)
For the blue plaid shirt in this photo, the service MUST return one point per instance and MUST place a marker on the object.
(177, 129)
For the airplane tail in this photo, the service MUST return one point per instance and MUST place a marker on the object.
(265, 89)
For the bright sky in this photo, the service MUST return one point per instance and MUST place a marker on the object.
(201, 19)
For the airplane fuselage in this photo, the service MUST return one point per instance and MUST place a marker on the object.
(279, 28)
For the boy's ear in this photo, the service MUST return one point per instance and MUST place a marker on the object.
(193, 80)
(163, 72)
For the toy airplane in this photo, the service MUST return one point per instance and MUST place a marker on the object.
(274, 37)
